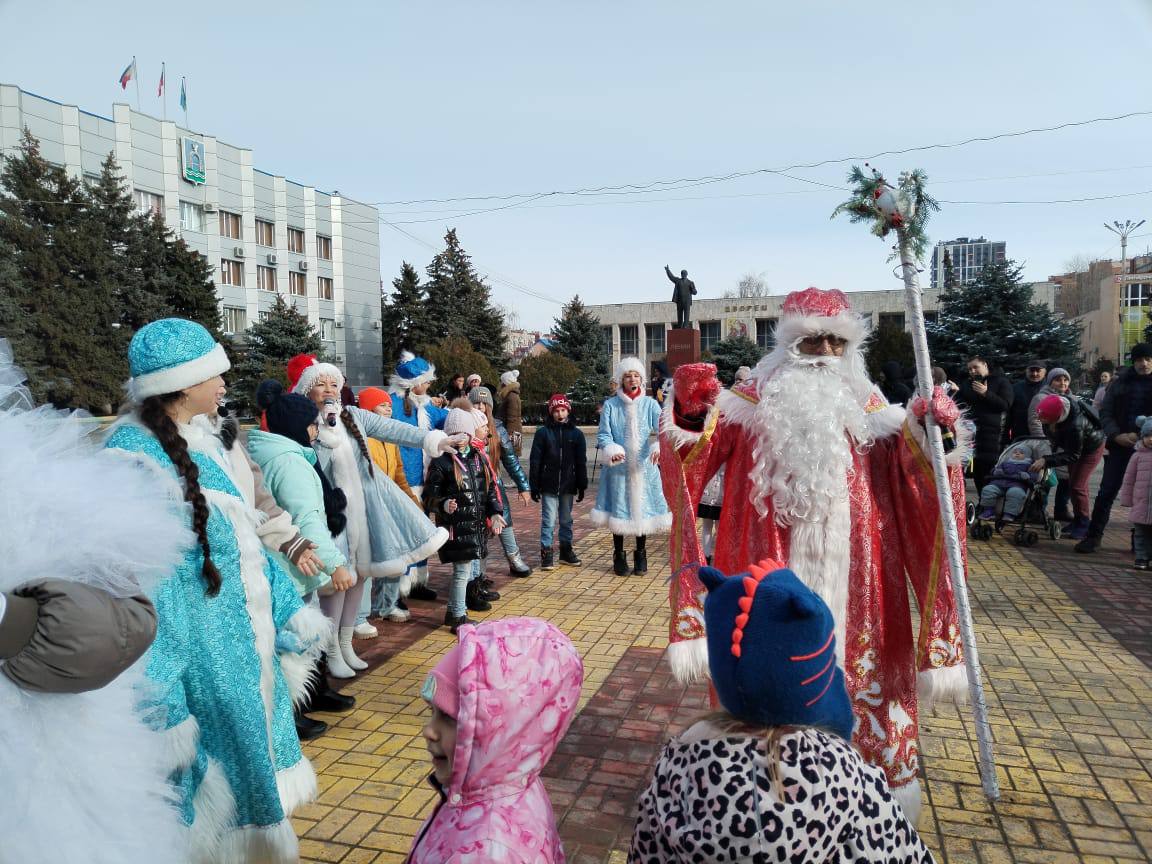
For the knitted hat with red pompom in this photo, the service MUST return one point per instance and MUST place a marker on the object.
(772, 650)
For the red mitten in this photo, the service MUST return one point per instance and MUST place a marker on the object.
(944, 411)
(696, 387)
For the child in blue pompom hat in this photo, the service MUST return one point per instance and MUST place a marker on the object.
(772, 777)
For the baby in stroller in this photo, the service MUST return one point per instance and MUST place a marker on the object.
(1012, 480)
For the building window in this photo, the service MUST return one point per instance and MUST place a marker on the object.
(298, 284)
(191, 216)
(709, 334)
(149, 202)
(891, 319)
(323, 247)
(765, 327)
(296, 240)
(930, 317)
(629, 340)
(324, 286)
(328, 329)
(607, 334)
(235, 320)
(265, 233)
(654, 338)
(266, 278)
(230, 225)
(231, 272)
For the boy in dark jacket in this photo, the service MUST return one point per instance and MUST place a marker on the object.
(558, 473)
(460, 493)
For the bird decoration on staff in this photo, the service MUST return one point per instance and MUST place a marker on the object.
(906, 206)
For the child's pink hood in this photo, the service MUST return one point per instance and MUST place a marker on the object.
(519, 686)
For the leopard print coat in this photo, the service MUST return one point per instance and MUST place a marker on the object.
(711, 801)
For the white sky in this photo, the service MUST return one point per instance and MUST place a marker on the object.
(393, 101)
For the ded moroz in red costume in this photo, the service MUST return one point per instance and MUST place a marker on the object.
(823, 474)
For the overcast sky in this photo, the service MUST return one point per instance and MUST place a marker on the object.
(391, 101)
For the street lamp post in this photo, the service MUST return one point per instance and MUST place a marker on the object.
(1123, 230)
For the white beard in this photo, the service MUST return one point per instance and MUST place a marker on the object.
(809, 420)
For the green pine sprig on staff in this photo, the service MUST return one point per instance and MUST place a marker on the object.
(905, 206)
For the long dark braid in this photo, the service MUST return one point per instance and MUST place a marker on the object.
(354, 431)
(154, 415)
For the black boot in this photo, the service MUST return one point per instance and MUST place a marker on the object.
(487, 589)
(321, 697)
(619, 559)
(421, 592)
(546, 561)
(568, 555)
(473, 599)
(454, 623)
(640, 564)
(306, 727)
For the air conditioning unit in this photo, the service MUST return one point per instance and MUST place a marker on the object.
(238, 252)
(209, 207)
(272, 260)
(304, 265)
(339, 325)
(338, 358)
(375, 325)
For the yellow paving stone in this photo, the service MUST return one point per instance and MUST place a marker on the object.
(357, 828)
(318, 850)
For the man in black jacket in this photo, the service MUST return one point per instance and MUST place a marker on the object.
(1023, 393)
(988, 399)
(1129, 397)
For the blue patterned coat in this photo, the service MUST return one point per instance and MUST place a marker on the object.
(630, 500)
(223, 673)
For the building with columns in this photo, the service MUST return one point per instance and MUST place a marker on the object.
(264, 234)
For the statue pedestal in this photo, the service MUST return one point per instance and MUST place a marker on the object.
(683, 347)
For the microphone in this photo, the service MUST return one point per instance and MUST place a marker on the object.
(331, 411)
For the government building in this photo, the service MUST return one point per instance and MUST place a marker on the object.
(264, 234)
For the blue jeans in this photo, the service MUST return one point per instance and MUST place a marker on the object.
(478, 568)
(380, 600)
(550, 505)
(461, 574)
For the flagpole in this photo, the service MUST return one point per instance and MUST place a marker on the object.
(136, 76)
(164, 90)
(184, 99)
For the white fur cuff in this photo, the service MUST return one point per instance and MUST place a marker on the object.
(886, 421)
(947, 683)
(688, 660)
(435, 443)
(612, 451)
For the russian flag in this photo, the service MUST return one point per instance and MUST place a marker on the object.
(128, 74)
(160, 89)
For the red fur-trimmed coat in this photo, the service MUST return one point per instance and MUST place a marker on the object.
(891, 537)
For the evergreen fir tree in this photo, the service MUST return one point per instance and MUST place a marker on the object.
(63, 287)
(460, 303)
(540, 377)
(949, 281)
(404, 317)
(579, 336)
(268, 346)
(889, 342)
(457, 355)
(994, 317)
(732, 353)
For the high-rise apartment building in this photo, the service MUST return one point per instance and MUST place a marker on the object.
(968, 258)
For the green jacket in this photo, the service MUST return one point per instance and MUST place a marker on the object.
(291, 478)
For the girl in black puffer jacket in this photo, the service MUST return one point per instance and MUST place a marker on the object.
(461, 494)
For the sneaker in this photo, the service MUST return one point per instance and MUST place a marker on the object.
(365, 631)
(1141, 564)
(568, 554)
(547, 562)
(987, 514)
(455, 624)
(399, 615)
(1088, 544)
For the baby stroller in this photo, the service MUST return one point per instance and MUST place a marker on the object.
(1033, 519)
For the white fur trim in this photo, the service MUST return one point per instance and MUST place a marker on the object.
(398, 384)
(313, 627)
(632, 527)
(908, 796)
(395, 567)
(180, 743)
(847, 325)
(176, 378)
(887, 421)
(688, 660)
(296, 785)
(674, 434)
(964, 431)
(214, 807)
(270, 844)
(346, 475)
(433, 442)
(949, 683)
(629, 364)
(309, 375)
(611, 451)
(407, 581)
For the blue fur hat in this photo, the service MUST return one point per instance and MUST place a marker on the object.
(411, 371)
(171, 354)
(772, 650)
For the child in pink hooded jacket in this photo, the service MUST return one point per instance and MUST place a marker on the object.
(501, 700)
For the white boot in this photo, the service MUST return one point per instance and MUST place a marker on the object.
(337, 668)
(346, 650)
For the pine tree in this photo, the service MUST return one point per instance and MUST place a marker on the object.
(889, 342)
(268, 346)
(730, 354)
(540, 377)
(63, 286)
(456, 355)
(948, 283)
(460, 303)
(404, 317)
(579, 336)
(994, 317)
